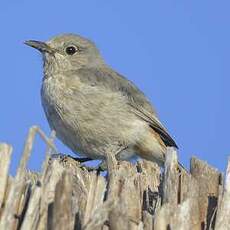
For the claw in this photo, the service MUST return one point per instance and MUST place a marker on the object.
(81, 159)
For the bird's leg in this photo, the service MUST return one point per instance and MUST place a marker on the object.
(99, 168)
(78, 159)
(81, 159)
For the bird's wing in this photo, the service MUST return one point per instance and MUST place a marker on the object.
(139, 104)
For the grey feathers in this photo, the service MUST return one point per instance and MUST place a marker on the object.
(107, 78)
(93, 109)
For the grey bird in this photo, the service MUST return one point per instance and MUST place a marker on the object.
(94, 109)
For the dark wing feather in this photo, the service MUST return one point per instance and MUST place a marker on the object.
(135, 98)
(155, 124)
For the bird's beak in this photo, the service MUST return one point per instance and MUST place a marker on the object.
(41, 46)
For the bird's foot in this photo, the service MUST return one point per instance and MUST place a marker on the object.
(80, 159)
(98, 169)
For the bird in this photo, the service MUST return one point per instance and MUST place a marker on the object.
(94, 109)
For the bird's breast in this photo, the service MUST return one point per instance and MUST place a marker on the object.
(52, 99)
(86, 117)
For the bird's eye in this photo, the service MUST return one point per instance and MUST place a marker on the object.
(70, 50)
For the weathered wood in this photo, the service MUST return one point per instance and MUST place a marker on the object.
(11, 215)
(180, 198)
(32, 213)
(171, 178)
(96, 193)
(48, 194)
(5, 156)
(125, 191)
(208, 183)
(223, 213)
(150, 186)
(147, 220)
(62, 215)
(65, 195)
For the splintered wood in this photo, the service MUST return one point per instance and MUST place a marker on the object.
(65, 195)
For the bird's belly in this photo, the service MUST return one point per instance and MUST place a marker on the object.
(92, 124)
(92, 136)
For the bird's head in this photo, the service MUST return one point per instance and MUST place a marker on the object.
(67, 52)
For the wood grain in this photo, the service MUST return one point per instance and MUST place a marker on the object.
(132, 196)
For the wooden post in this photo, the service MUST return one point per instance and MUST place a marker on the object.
(141, 196)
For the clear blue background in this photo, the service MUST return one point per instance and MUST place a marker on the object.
(177, 52)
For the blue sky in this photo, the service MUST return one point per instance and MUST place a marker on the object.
(177, 52)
